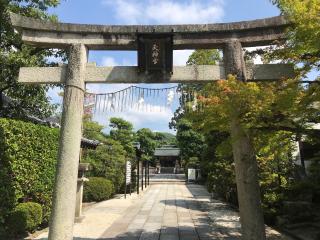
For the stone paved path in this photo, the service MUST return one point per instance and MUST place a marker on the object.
(165, 212)
(173, 212)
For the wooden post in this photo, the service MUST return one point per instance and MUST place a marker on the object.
(251, 215)
(142, 175)
(138, 173)
(125, 187)
(148, 173)
(64, 196)
(145, 175)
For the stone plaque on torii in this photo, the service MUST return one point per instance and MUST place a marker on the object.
(78, 39)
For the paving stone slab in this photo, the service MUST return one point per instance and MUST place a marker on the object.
(169, 212)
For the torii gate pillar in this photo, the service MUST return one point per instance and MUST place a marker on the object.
(64, 196)
(251, 215)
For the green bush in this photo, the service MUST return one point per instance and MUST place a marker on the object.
(25, 217)
(107, 161)
(28, 155)
(300, 191)
(270, 215)
(97, 189)
(221, 180)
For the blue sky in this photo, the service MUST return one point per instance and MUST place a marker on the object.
(151, 12)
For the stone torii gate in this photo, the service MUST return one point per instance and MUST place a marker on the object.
(78, 39)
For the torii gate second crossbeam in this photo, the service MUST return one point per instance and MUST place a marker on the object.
(78, 39)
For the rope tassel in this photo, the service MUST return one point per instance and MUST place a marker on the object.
(140, 99)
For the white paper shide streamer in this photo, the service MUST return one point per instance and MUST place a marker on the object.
(139, 99)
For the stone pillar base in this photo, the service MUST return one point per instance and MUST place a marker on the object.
(78, 212)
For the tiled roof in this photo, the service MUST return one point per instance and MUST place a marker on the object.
(166, 151)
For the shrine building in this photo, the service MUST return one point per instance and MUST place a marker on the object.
(168, 159)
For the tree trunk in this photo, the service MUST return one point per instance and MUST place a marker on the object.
(1, 102)
(251, 215)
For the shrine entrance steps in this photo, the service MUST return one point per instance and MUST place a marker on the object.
(167, 178)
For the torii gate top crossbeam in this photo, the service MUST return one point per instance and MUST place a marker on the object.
(116, 37)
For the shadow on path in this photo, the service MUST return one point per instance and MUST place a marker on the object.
(176, 212)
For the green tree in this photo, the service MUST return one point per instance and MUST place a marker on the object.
(146, 138)
(217, 166)
(93, 130)
(272, 114)
(164, 138)
(108, 161)
(302, 46)
(190, 142)
(122, 131)
(204, 57)
(14, 54)
(303, 35)
(198, 57)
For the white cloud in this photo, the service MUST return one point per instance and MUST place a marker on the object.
(127, 62)
(257, 59)
(166, 11)
(53, 59)
(157, 120)
(180, 57)
(105, 88)
(53, 94)
(109, 61)
(125, 10)
(190, 12)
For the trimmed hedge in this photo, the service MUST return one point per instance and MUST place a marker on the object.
(97, 189)
(25, 217)
(28, 155)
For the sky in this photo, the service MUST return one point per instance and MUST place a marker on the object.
(151, 12)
